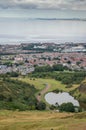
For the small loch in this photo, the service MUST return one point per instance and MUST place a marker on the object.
(59, 98)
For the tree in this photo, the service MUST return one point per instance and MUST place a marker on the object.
(69, 62)
(68, 107)
(8, 63)
(41, 106)
(58, 67)
(46, 68)
(13, 74)
(78, 62)
(67, 80)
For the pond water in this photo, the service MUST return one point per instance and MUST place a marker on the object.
(64, 97)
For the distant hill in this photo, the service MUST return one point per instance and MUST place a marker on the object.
(66, 19)
(15, 94)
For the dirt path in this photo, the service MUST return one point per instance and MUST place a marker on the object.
(42, 92)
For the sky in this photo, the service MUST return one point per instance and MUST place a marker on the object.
(43, 8)
(43, 4)
(16, 16)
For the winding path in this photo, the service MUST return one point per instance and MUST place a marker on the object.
(42, 92)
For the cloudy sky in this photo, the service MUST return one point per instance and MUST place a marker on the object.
(43, 4)
(43, 8)
(19, 20)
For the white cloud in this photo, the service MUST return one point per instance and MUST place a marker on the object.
(48, 4)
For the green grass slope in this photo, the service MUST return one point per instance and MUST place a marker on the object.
(15, 94)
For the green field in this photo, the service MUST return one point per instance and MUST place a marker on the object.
(40, 83)
(45, 120)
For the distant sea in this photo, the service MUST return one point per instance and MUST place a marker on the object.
(42, 28)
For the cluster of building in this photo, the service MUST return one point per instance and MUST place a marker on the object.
(25, 63)
(21, 61)
(42, 47)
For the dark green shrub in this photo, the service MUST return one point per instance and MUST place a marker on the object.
(68, 107)
(41, 106)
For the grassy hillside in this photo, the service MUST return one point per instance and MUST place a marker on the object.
(80, 94)
(76, 90)
(36, 120)
(39, 83)
(23, 93)
(15, 94)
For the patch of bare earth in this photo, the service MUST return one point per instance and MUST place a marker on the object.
(42, 92)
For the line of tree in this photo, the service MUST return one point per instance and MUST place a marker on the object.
(47, 68)
(57, 72)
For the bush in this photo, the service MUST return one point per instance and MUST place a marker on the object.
(58, 67)
(56, 90)
(52, 107)
(41, 106)
(69, 86)
(68, 107)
